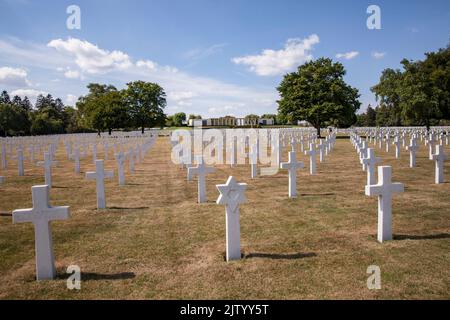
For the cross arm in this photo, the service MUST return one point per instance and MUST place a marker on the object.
(22, 215)
(373, 190)
(109, 174)
(91, 175)
(397, 187)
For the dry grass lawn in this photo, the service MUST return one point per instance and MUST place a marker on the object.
(155, 242)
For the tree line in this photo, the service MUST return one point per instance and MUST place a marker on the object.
(417, 95)
(105, 108)
(49, 116)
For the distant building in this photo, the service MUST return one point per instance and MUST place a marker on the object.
(230, 121)
(303, 123)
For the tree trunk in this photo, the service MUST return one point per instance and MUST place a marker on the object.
(142, 130)
(109, 131)
(318, 131)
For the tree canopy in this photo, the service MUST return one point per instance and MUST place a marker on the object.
(317, 93)
(145, 102)
(103, 108)
(418, 95)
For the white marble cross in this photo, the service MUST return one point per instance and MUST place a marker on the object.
(105, 150)
(327, 145)
(293, 144)
(302, 143)
(412, 148)
(201, 170)
(312, 158)
(68, 149)
(384, 190)
(99, 175)
(431, 144)
(388, 141)
(397, 143)
(321, 146)
(232, 194)
(4, 161)
(120, 158)
(41, 215)
(20, 162)
(94, 153)
(439, 157)
(292, 166)
(253, 157)
(232, 150)
(363, 154)
(131, 159)
(370, 161)
(31, 152)
(47, 164)
(138, 152)
(76, 157)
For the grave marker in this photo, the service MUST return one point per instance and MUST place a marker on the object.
(41, 215)
(384, 190)
(99, 175)
(292, 166)
(232, 194)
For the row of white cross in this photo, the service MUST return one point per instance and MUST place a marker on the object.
(134, 155)
(384, 188)
(232, 193)
(41, 214)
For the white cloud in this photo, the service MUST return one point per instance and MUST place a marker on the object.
(202, 53)
(195, 93)
(14, 77)
(170, 69)
(223, 110)
(147, 64)
(30, 93)
(181, 95)
(71, 99)
(72, 74)
(89, 57)
(16, 51)
(275, 62)
(348, 55)
(181, 98)
(378, 55)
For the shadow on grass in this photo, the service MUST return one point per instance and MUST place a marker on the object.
(61, 187)
(114, 276)
(423, 237)
(275, 256)
(128, 208)
(5, 214)
(317, 194)
(102, 276)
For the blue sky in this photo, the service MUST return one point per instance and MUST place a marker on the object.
(213, 57)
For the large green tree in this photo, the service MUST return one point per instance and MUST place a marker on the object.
(317, 93)
(179, 118)
(103, 108)
(13, 120)
(145, 102)
(4, 97)
(417, 95)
